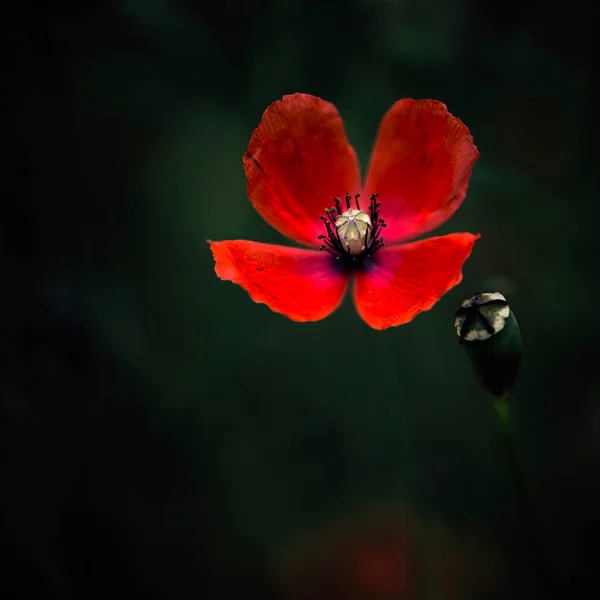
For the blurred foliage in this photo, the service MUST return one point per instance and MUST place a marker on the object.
(159, 432)
(384, 553)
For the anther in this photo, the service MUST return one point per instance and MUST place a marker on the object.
(352, 234)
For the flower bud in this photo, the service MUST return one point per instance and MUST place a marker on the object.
(353, 228)
(489, 331)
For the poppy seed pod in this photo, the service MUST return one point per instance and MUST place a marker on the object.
(489, 331)
(353, 228)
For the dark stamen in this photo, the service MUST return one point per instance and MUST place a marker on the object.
(331, 242)
(338, 205)
(330, 251)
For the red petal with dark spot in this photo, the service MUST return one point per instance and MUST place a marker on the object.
(420, 167)
(402, 281)
(298, 159)
(304, 285)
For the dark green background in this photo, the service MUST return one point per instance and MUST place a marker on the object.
(159, 432)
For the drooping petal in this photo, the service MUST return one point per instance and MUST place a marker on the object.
(402, 281)
(420, 167)
(304, 285)
(297, 161)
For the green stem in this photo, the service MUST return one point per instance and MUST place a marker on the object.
(389, 368)
(525, 504)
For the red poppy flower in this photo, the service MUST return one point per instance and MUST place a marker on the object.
(299, 162)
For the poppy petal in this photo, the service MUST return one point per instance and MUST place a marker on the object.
(297, 161)
(402, 281)
(420, 167)
(304, 285)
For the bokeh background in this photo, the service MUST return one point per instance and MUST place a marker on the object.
(161, 434)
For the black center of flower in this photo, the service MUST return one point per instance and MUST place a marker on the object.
(352, 235)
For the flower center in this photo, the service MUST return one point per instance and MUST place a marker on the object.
(354, 234)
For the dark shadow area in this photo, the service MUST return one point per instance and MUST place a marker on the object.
(161, 434)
